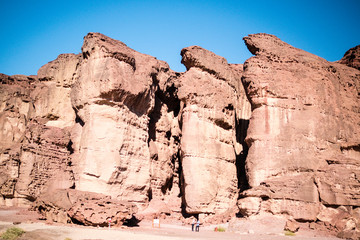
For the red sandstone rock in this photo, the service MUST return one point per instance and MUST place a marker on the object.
(213, 101)
(352, 58)
(114, 94)
(123, 129)
(304, 131)
(34, 154)
(87, 208)
(284, 109)
(291, 225)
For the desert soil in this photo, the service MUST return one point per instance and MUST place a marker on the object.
(41, 230)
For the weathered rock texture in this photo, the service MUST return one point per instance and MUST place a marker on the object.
(113, 95)
(87, 208)
(304, 133)
(212, 102)
(112, 128)
(35, 155)
(352, 58)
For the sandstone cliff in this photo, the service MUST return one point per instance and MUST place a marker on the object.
(304, 134)
(213, 101)
(116, 129)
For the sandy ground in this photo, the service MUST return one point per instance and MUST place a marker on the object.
(46, 231)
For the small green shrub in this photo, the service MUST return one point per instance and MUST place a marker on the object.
(289, 233)
(12, 233)
(221, 229)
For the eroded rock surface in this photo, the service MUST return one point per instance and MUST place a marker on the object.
(352, 58)
(113, 95)
(111, 128)
(87, 208)
(212, 103)
(34, 155)
(304, 131)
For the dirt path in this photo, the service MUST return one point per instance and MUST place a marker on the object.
(43, 231)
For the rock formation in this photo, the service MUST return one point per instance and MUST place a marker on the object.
(352, 58)
(87, 208)
(213, 100)
(116, 129)
(35, 155)
(113, 95)
(304, 131)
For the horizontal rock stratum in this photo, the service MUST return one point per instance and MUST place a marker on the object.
(111, 128)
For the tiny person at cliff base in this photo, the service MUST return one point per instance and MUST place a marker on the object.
(197, 226)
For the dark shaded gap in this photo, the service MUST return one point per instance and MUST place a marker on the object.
(77, 222)
(169, 97)
(181, 178)
(78, 119)
(30, 198)
(132, 222)
(241, 127)
(69, 147)
(168, 135)
(149, 193)
(154, 118)
(172, 102)
(355, 148)
(168, 185)
(137, 104)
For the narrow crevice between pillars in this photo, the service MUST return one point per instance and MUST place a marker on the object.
(241, 127)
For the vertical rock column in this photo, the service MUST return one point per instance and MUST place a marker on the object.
(302, 110)
(113, 95)
(208, 91)
(304, 131)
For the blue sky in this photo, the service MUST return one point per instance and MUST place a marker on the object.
(36, 32)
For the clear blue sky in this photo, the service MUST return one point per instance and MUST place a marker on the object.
(36, 32)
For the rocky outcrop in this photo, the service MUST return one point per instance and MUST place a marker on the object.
(112, 128)
(113, 95)
(213, 101)
(352, 58)
(34, 155)
(304, 131)
(87, 208)
(96, 122)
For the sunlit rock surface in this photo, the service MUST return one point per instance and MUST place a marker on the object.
(115, 128)
(213, 100)
(304, 133)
